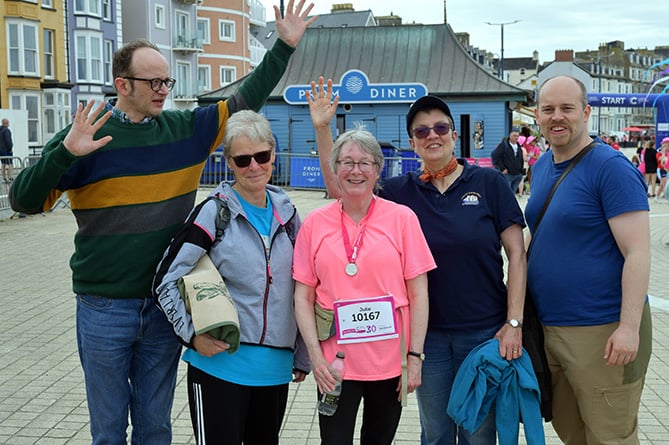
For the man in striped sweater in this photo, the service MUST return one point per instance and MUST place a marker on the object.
(131, 172)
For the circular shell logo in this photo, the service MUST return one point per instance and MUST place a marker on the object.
(354, 84)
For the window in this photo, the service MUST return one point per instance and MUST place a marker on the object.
(203, 30)
(22, 48)
(203, 78)
(47, 3)
(160, 16)
(91, 7)
(108, 56)
(107, 10)
(183, 86)
(29, 102)
(88, 50)
(56, 110)
(48, 54)
(182, 30)
(226, 31)
(228, 75)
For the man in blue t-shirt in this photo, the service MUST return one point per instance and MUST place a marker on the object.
(588, 272)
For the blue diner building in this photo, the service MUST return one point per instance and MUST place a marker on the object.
(378, 72)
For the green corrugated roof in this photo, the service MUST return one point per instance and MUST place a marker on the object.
(429, 54)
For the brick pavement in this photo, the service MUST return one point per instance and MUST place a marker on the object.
(42, 398)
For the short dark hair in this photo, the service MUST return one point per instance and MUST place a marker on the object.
(122, 62)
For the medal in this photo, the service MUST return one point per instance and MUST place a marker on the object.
(351, 268)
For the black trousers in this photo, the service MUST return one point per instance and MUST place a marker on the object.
(380, 416)
(226, 413)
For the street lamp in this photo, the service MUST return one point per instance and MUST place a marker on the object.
(500, 68)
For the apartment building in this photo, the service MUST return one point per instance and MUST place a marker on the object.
(34, 76)
(230, 48)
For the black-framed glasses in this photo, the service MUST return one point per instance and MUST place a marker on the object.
(348, 165)
(262, 157)
(423, 132)
(156, 83)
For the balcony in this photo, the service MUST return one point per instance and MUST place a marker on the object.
(257, 13)
(257, 50)
(187, 44)
(191, 2)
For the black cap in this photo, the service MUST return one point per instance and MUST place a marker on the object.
(427, 103)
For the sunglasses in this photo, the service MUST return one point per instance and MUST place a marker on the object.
(423, 132)
(156, 84)
(262, 157)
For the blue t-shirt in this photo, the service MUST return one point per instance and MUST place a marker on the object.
(575, 266)
(462, 227)
(250, 365)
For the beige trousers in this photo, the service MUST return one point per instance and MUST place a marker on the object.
(593, 403)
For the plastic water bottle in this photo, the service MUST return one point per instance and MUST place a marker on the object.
(329, 400)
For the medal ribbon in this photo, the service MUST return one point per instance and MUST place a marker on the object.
(352, 252)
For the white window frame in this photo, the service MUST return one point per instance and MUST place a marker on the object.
(182, 26)
(223, 27)
(203, 78)
(56, 111)
(47, 4)
(87, 7)
(20, 100)
(107, 10)
(184, 84)
(49, 50)
(91, 40)
(204, 30)
(16, 46)
(231, 70)
(159, 16)
(107, 58)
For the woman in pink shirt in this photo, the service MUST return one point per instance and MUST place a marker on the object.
(365, 259)
(533, 153)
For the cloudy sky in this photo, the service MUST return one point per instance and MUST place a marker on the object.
(543, 25)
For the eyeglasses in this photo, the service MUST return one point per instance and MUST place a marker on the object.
(262, 157)
(156, 83)
(423, 132)
(364, 166)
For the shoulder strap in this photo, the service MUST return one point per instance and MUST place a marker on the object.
(222, 216)
(581, 154)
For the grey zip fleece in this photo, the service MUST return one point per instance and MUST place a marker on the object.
(262, 290)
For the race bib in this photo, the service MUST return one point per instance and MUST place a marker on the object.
(365, 320)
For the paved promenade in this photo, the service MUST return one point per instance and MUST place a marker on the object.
(42, 398)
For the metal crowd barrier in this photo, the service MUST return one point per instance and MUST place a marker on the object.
(300, 171)
(17, 166)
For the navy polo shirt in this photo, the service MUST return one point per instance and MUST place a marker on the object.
(462, 227)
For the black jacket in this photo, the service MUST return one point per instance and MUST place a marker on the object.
(503, 158)
(6, 143)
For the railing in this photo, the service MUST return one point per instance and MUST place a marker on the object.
(17, 165)
(187, 43)
(300, 171)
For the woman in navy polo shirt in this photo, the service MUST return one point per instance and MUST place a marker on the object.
(467, 214)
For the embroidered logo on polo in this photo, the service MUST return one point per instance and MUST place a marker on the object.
(471, 199)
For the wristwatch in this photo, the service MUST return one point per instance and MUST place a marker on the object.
(514, 323)
(420, 355)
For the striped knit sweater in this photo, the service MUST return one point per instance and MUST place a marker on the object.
(131, 196)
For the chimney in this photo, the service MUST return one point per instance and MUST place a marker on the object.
(342, 7)
(564, 55)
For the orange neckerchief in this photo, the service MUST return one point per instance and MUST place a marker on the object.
(427, 175)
